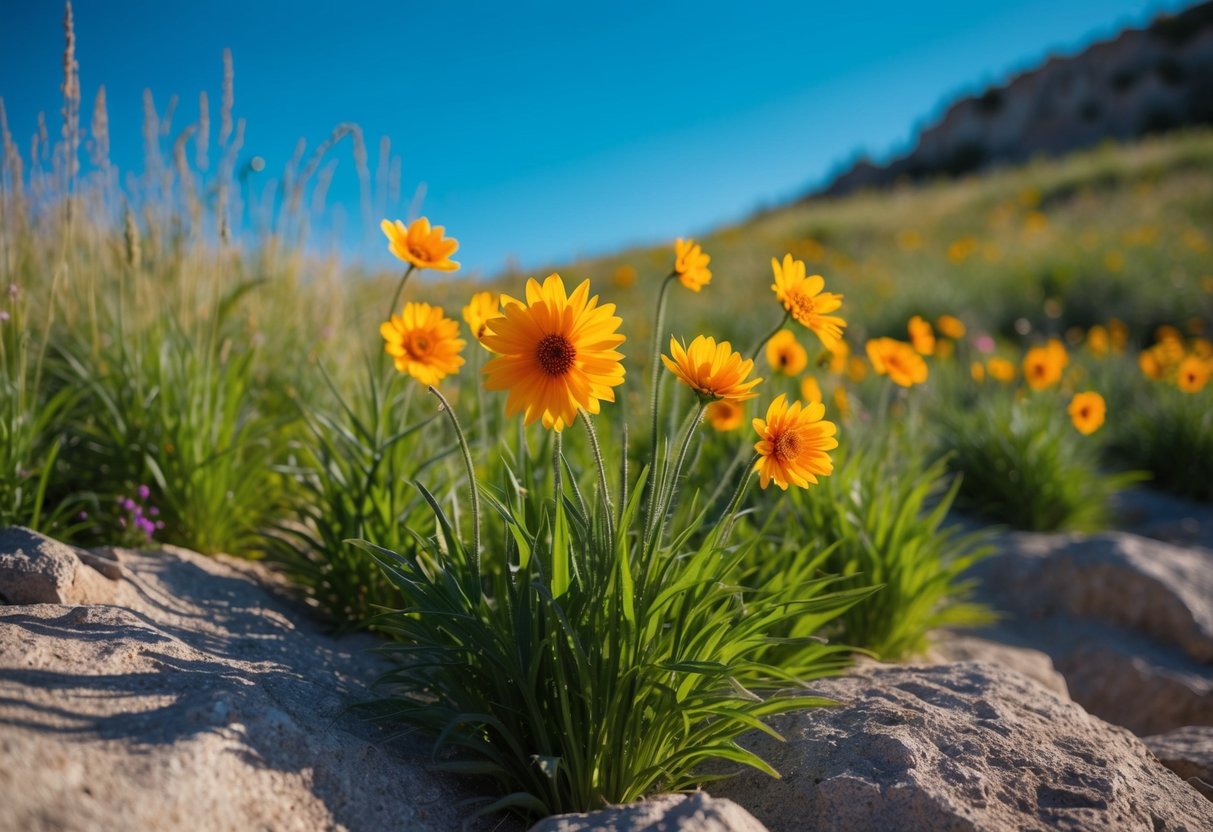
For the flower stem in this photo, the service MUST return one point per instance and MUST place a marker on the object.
(556, 454)
(782, 323)
(730, 514)
(471, 472)
(400, 288)
(655, 384)
(602, 477)
(665, 500)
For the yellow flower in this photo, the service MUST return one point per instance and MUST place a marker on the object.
(482, 308)
(1087, 412)
(921, 335)
(691, 265)
(841, 402)
(423, 342)
(810, 390)
(978, 371)
(839, 354)
(1098, 341)
(556, 353)
(1193, 374)
(713, 371)
(1118, 333)
(725, 415)
(857, 368)
(1042, 366)
(1150, 364)
(1001, 369)
(804, 298)
(421, 245)
(950, 326)
(785, 355)
(897, 360)
(624, 276)
(793, 444)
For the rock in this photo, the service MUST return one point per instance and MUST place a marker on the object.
(958, 747)
(697, 812)
(1189, 753)
(1165, 517)
(208, 699)
(35, 569)
(947, 647)
(1140, 584)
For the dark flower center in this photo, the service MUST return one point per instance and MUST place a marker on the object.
(419, 251)
(418, 346)
(555, 353)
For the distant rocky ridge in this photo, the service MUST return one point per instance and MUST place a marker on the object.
(1142, 81)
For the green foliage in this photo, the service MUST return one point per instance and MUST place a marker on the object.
(1022, 463)
(354, 477)
(881, 516)
(1170, 434)
(607, 660)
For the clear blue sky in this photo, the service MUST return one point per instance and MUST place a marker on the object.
(547, 130)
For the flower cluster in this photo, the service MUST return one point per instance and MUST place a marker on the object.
(138, 518)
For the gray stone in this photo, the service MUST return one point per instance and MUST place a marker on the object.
(206, 700)
(947, 647)
(1139, 584)
(35, 569)
(958, 747)
(696, 812)
(1189, 753)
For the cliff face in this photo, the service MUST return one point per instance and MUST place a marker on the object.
(1143, 81)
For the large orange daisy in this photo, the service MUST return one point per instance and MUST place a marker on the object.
(556, 353)
(423, 342)
(897, 360)
(793, 444)
(714, 371)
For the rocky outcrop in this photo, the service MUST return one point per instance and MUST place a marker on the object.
(948, 647)
(1143, 81)
(1127, 620)
(669, 813)
(958, 747)
(34, 569)
(1189, 753)
(207, 699)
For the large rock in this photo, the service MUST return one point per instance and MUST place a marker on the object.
(667, 813)
(1139, 584)
(206, 700)
(1189, 753)
(34, 569)
(948, 647)
(1152, 513)
(965, 746)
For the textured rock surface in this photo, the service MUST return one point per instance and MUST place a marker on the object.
(34, 569)
(668, 813)
(1189, 753)
(947, 647)
(958, 747)
(206, 700)
(1140, 584)
(1165, 517)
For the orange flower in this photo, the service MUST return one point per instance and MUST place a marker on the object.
(921, 335)
(1087, 412)
(978, 371)
(725, 415)
(897, 360)
(624, 277)
(1001, 369)
(950, 326)
(423, 342)
(556, 353)
(1098, 341)
(1042, 366)
(713, 371)
(482, 308)
(1193, 374)
(691, 265)
(785, 355)
(421, 245)
(793, 444)
(810, 390)
(804, 298)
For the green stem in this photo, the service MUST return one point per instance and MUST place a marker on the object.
(730, 515)
(602, 477)
(655, 380)
(556, 454)
(400, 288)
(667, 499)
(782, 323)
(471, 472)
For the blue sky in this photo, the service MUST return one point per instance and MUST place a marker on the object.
(543, 131)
